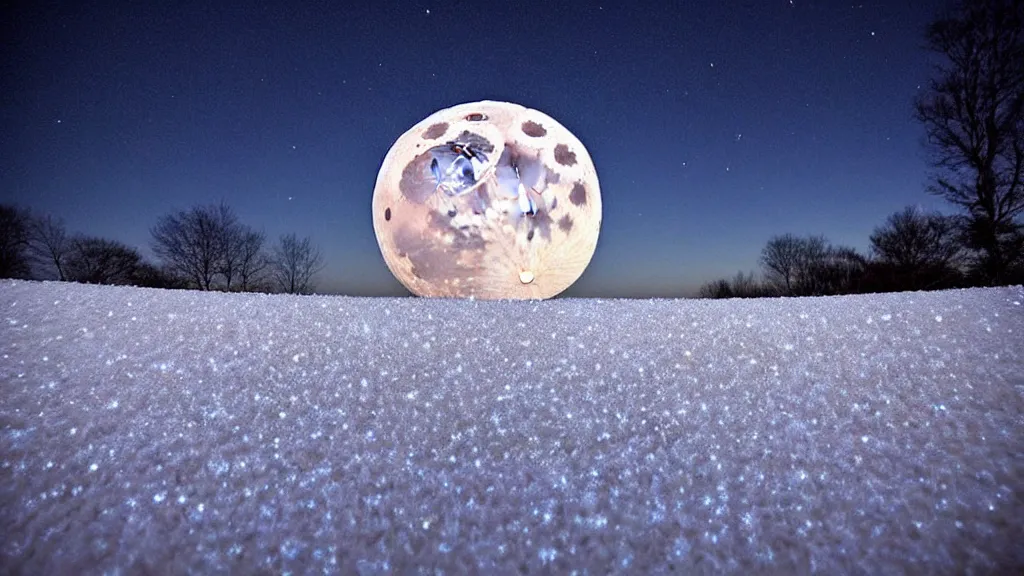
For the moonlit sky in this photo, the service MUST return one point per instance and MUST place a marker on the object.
(713, 125)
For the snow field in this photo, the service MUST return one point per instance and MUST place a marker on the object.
(176, 432)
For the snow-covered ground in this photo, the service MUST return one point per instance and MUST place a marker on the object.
(150, 431)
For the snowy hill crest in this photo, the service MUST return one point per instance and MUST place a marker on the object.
(183, 431)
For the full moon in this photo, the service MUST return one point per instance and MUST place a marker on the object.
(488, 200)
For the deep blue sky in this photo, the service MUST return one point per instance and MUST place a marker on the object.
(713, 125)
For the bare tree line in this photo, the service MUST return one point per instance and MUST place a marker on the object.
(39, 247)
(205, 248)
(213, 250)
(912, 250)
(973, 114)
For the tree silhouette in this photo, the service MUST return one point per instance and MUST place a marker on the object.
(915, 250)
(741, 286)
(781, 258)
(237, 260)
(149, 276)
(49, 243)
(812, 262)
(835, 270)
(195, 244)
(716, 289)
(973, 114)
(746, 286)
(295, 263)
(811, 266)
(253, 262)
(14, 261)
(102, 261)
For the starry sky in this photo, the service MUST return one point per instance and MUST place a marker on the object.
(713, 125)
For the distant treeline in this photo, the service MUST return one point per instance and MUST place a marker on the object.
(973, 115)
(913, 250)
(204, 248)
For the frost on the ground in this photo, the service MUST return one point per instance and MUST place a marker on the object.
(174, 431)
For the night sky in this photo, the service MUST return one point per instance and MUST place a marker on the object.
(713, 125)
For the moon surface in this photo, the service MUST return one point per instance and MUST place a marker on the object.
(488, 200)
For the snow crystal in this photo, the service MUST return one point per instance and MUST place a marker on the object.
(235, 433)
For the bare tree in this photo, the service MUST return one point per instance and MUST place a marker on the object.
(14, 258)
(295, 263)
(741, 286)
(102, 261)
(716, 289)
(193, 244)
(232, 240)
(914, 239)
(253, 262)
(973, 113)
(150, 276)
(49, 244)
(745, 285)
(781, 260)
(916, 250)
(835, 270)
(811, 266)
(814, 257)
(243, 262)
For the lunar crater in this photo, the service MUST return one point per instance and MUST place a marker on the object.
(533, 130)
(564, 156)
(435, 131)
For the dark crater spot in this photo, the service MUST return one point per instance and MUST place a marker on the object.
(476, 117)
(578, 196)
(435, 131)
(387, 214)
(533, 130)
(564, 156)
(452, 213)
(529, 235)
(565, 224)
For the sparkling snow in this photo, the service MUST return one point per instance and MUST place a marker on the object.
(151, 431)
